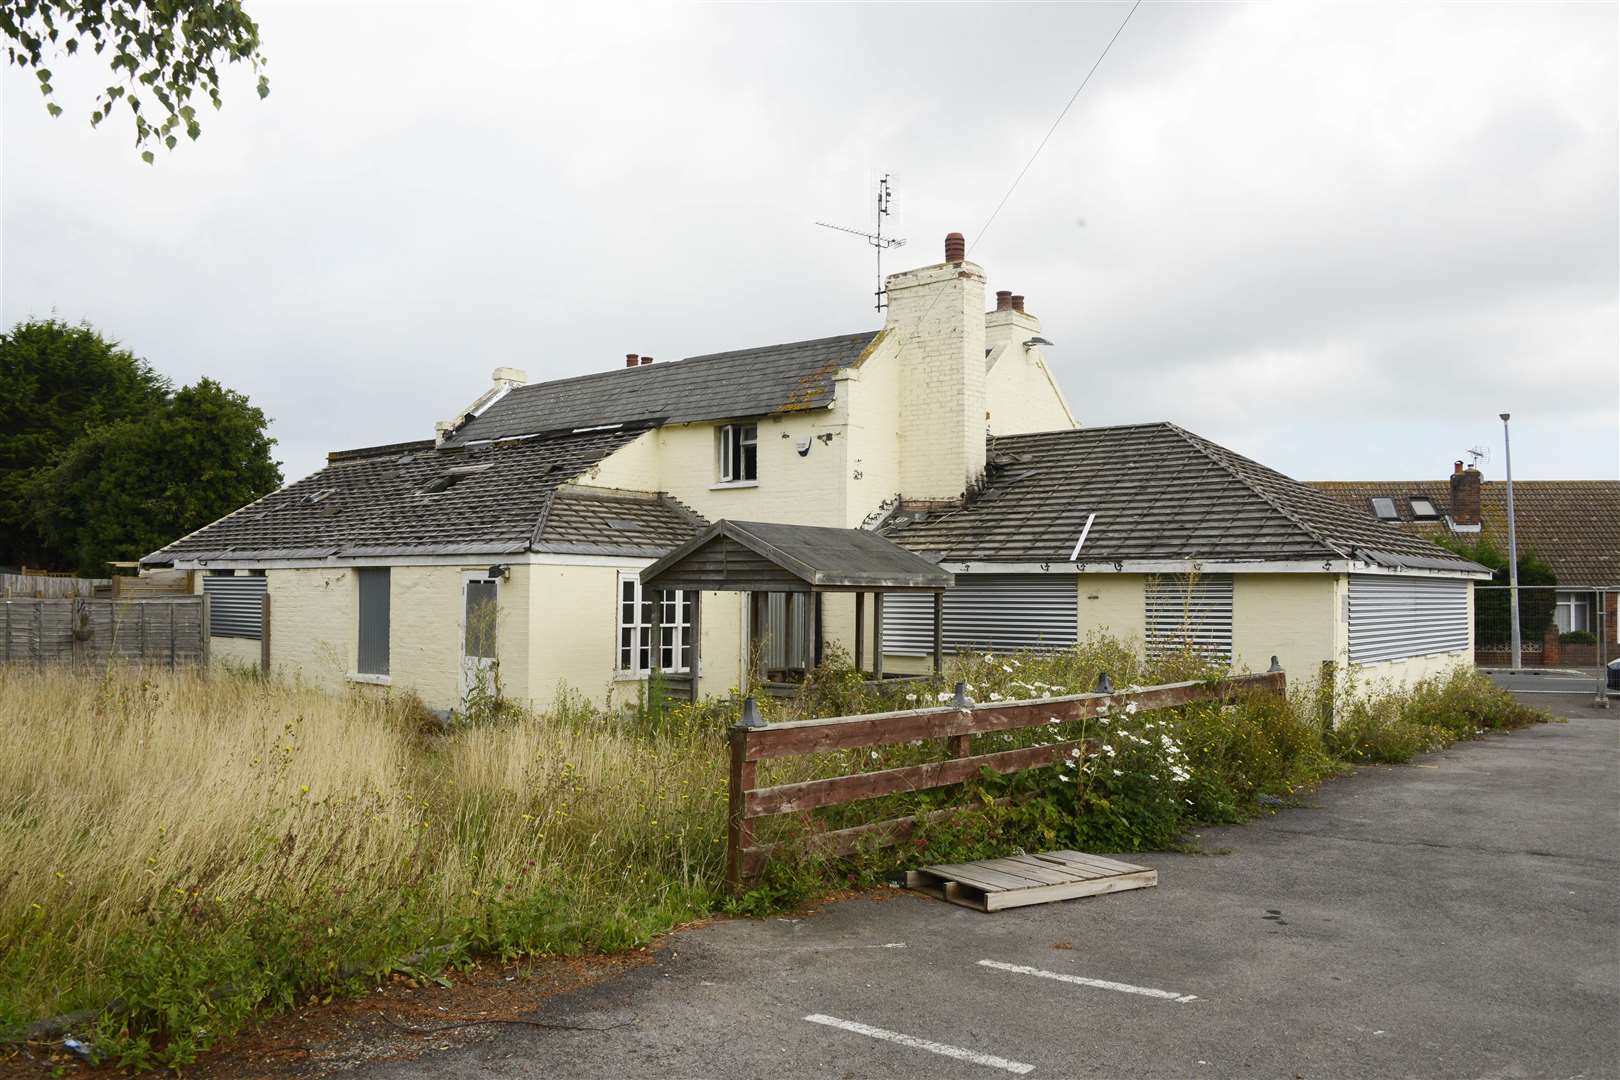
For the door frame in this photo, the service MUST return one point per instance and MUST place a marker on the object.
(465, 665)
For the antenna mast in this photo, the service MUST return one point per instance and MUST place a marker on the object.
(1479, 454)
(876, 238)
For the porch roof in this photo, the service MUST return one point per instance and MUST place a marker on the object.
(754, 556)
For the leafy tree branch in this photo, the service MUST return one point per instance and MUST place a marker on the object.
(164, 55)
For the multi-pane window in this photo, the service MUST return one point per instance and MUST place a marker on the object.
(638, 610)
(1573, 612)
(739, 453)
(372, 654)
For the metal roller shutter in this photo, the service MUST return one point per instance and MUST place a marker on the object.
(1394, 617)
(1190, 612)
(986, 611)
(235, 606)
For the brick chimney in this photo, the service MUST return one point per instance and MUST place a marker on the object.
(1464, 494)
(937, 315)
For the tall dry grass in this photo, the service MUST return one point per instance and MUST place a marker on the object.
(122, 792)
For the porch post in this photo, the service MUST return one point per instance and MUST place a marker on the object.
(696, 630)
(877, 637)
(816, 650)
(939, 631)
(860, 632)
(657, 632)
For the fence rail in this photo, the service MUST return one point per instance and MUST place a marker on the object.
(40, 585)
(83, 632)
(956, 724)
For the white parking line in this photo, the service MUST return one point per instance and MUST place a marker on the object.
(1100, 984)
(943, 1049)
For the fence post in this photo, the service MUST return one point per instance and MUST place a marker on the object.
(7, 603)
(206, 632)
(959, 746)
(264, 630)
(170, 606)
(739, 829)
(39, 634)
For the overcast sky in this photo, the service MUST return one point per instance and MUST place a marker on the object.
(1339, 240)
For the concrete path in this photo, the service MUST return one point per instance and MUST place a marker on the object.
(1459, 917)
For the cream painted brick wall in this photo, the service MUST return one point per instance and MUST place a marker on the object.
(1114, 605)
(938, 314)
(312, 624)
(1290, 616)
(233, 652)
(1021, 394)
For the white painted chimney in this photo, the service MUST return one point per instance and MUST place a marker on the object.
(937, 313)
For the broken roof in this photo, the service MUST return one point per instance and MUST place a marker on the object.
(750, 382)
(1159, 493)
(762, 556)
(413, 499)
(1571, 525)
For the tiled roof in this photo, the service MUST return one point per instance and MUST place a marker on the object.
(752, 382)
(1159, 493)
(588, 521)
(379, 502)
(1571, 525)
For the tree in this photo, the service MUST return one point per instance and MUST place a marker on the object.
(57, 383)
(1493, 608)
(130, 487)
(167, 51)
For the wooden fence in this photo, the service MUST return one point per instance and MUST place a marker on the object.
(955, 724)
(51, 585)
(83, 632)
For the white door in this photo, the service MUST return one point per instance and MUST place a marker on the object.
(480, 594)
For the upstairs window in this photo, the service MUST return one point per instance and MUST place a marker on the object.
(1423, 509)
(1385, 509)
(739, 453)
(637, 612)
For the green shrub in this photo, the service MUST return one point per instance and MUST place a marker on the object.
(1577, 637)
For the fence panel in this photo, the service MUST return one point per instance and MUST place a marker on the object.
(954, 724)
(91, 633)
(38, 585)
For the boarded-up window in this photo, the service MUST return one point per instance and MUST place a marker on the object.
(1392, 617)
(985, 611)
(373, 651)
(1190, 613)
(235, 606)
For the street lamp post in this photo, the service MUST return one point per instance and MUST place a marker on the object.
(1513, 544)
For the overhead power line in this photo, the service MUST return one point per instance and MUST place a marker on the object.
(1072, 97)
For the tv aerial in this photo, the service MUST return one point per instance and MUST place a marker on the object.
(876, 238)
(1479, 454)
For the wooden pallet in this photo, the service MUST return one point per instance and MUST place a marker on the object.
(994, 884)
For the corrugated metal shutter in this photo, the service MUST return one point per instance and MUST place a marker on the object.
(1190, 612)
(787, 637)
(986, 611)
(1392, 617)
(235, 606)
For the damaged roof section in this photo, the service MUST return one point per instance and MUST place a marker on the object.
(750, 382)
(412, 499)
(1158, 493)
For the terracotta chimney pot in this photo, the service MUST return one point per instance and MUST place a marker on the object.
(1018, 303)
(645, 360)
(955, 248)
(631, 360)
(1003, 300)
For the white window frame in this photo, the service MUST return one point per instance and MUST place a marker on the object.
(632, 654)
(1573, 612)
(733, 437)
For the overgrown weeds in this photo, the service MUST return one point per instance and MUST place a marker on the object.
(201, 850)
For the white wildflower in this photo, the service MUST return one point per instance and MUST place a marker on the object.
(1130, 708)
(1118, 773)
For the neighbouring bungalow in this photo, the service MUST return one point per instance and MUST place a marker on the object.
(513, 543)
(1573, 526)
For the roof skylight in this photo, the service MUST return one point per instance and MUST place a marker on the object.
(1424, 508)
(1385, 509)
